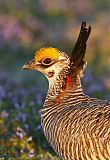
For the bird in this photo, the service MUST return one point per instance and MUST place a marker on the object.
(76, 126)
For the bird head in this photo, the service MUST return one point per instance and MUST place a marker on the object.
(49, 61)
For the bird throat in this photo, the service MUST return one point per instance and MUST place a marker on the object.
(62, 84)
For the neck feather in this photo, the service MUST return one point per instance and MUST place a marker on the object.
(71, 95)
(64, 83)
(65, 92)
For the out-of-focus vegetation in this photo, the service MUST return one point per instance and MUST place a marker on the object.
(26, 26)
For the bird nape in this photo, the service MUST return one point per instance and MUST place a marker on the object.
(76, 126)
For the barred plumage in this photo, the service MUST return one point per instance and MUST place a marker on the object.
(76, 126)
(80, 130)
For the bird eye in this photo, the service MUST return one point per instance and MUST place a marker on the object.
(47, 61)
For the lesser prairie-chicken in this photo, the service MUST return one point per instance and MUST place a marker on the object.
(76, 126)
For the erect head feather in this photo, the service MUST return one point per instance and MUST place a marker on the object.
(46, 52)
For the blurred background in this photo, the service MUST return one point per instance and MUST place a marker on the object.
(26, 26)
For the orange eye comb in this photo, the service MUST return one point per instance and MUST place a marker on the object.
(46, 52)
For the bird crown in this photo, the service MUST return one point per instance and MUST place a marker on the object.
(46, 52)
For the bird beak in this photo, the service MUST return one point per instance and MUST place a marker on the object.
(25, 67)
(31, 65)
